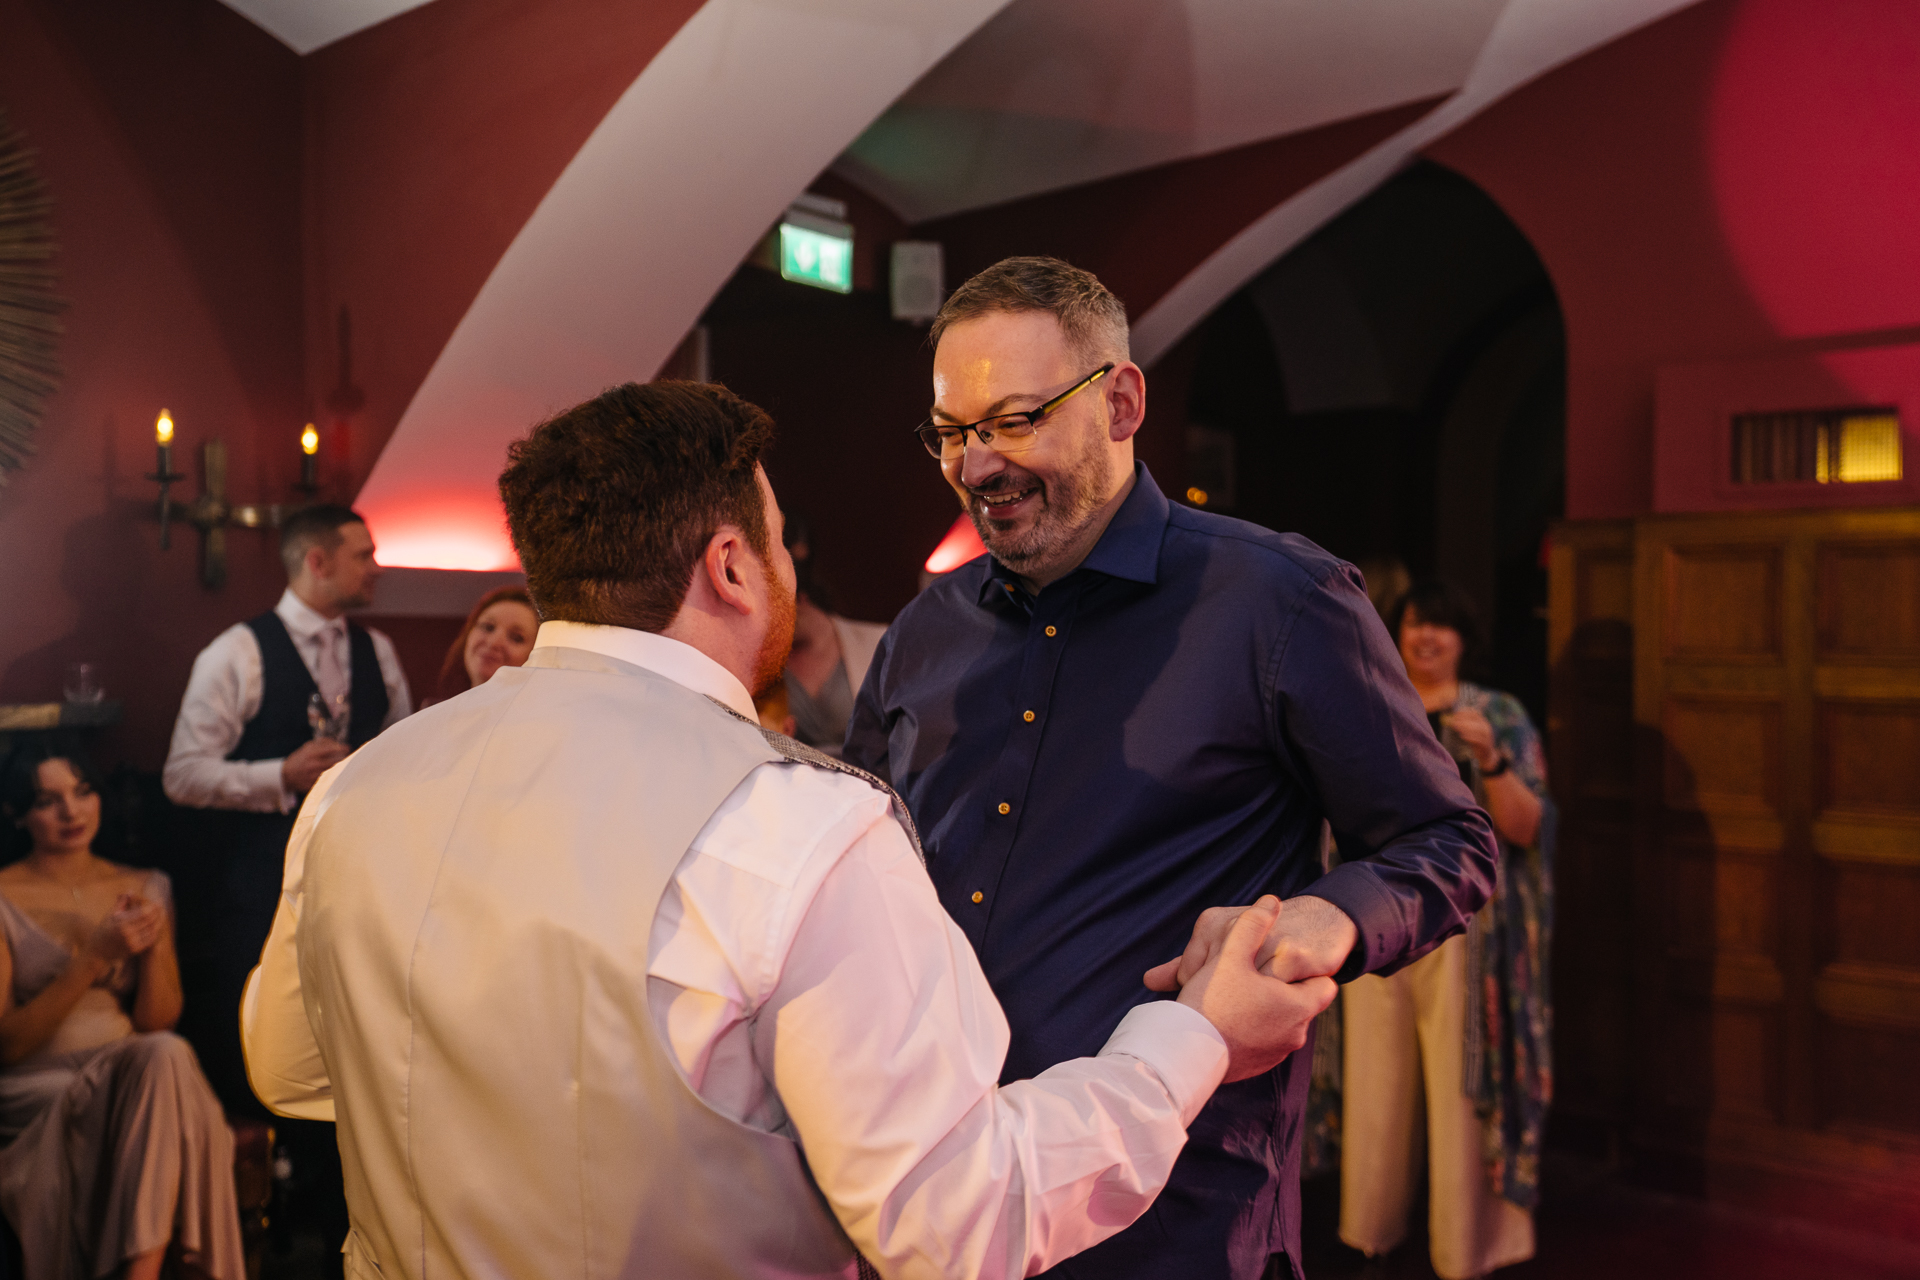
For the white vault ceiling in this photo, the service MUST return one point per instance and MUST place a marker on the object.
(936, 108)
(306, 25)
(1053, 93)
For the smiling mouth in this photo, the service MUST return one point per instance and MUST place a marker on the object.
(1005, 497)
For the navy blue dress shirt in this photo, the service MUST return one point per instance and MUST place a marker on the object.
(1158, 732)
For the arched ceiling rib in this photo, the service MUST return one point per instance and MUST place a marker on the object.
(1531, 38)
(1055, 93)
(984, 102)
(737, 113)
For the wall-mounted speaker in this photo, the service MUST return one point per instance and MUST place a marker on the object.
(919, 280)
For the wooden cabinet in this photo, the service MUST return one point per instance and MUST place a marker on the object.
(1772, 906)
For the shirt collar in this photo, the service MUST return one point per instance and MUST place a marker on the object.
(681, 663)
(302, 619)
(1130, 547)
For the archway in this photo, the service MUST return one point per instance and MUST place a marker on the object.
(1395, 387)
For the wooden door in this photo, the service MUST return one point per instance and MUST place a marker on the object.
(1777, 854)
(1590, 768)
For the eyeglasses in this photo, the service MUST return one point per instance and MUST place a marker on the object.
(1005, 432)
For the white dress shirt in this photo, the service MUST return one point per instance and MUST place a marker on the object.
(223, 693)
(886, 1073)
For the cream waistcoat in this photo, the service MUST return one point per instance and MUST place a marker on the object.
(509, 877)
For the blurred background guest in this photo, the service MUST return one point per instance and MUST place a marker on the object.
(1466, 1029)
(272, 704)
(498, 633)
(1387, 581)
(830, 655)
(116, 1145)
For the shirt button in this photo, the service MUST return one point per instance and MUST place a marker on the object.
(1005, 808)
(979, 896)
(1028, 717)
(1052, 631)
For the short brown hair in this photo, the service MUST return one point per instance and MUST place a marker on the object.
(612, 502)
(1093, 320)
(314, 526)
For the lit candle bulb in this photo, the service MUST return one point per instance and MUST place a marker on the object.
(309, 463)
(163, 438)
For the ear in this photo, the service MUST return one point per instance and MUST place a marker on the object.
(732, 571)
(314, 562)
(1126, 401)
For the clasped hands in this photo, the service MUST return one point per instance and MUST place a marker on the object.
(130, 929)
(1260, 975)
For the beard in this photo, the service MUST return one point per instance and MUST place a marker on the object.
(771, 661)
(1069, 503)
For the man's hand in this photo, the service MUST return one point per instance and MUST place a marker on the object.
(1311, 939)
(303, 768)
(1262, 1019)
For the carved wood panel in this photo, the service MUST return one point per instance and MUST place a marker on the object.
(1590, 738)
(1722, 602)
(1721, 755)
(1870, 601)
(1777, 841)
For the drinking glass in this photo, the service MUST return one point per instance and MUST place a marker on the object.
(325, 721)
(83, 683)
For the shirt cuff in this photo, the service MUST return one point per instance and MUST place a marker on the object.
(1376, 919)
(263, 780)
(1179, 1045)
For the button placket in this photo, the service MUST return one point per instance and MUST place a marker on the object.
(1007, 788)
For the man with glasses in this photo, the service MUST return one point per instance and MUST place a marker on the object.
(1130, 712)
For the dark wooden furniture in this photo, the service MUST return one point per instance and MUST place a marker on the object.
(1769, 918)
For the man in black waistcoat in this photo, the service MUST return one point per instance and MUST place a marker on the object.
(272, 704)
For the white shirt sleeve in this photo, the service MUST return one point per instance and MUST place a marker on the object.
(223, 693)
(399, 696)
(284, 1065)
(885, 1045)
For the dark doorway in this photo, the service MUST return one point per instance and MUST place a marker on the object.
(1395, 387)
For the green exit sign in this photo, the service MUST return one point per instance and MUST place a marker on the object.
(820, 254)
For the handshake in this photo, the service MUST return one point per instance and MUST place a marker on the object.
(1260, 975)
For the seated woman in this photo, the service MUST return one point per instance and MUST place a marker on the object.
(116, 1147)
(498, 633)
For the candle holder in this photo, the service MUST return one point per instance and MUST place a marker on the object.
(309, 462)
(211, 513)
(167, 478)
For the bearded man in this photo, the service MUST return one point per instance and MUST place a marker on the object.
(1131, 711)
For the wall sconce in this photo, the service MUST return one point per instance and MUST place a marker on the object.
(165, 474)
(309, 461)
(210, 512)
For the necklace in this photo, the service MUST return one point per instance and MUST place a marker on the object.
(47, 875)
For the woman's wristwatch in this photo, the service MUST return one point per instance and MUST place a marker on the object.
(1506, 763)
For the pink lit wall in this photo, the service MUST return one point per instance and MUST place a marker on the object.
(249, 239)
(1734, 182)
(169, 135)
(431, 139)
(1695, 402)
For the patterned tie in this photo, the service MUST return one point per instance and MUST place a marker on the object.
(330, 672)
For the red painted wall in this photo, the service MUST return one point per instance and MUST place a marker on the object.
(430, 139)
(1737, 180)
(223, 205)
(169, 135)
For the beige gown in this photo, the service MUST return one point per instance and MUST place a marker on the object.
(115, 1143)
